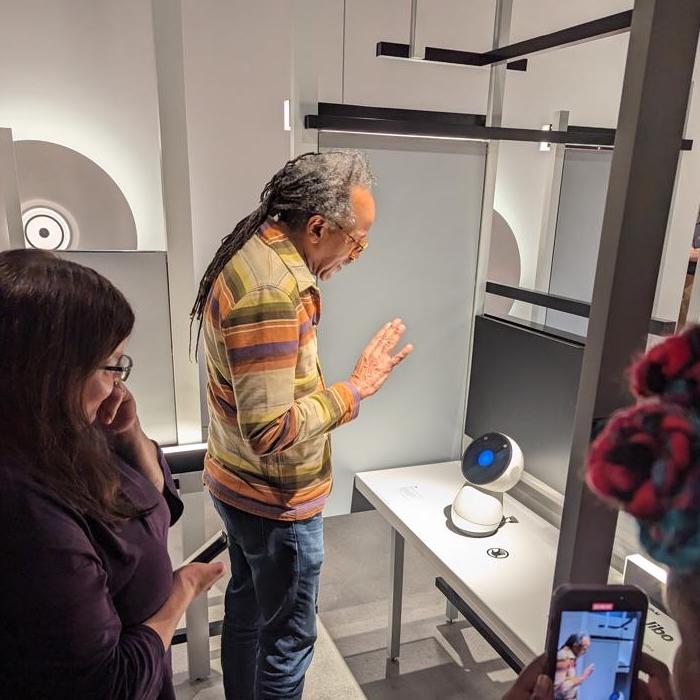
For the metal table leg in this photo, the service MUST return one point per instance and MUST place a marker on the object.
(451, 612)
(193, 535)
(395, 595)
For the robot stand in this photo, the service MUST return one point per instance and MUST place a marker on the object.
(477, 513)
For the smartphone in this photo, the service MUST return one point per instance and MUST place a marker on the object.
(209, 550)
(594, 640)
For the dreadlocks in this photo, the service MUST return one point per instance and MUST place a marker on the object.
(313, 183)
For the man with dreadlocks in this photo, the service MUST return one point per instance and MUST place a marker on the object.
(268, 462)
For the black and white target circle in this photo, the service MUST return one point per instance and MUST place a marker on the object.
(46, 229)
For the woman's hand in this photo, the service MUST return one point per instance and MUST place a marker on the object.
(198, 578)
(118, 416)
(189, 581)
(532, 684)
(376, 362)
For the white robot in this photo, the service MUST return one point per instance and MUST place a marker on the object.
(492, 465)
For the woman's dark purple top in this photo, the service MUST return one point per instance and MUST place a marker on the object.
(74, 594)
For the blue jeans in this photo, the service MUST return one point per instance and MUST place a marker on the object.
(270, 611)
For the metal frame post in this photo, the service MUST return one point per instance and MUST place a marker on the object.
(494, 117)
(11, 229)
(550, 214)
(451, 611)
(660, 61)
(412, 53)
(197, 615)
(396, 560)
(175, 166)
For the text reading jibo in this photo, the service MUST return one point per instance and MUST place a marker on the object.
(656, 628)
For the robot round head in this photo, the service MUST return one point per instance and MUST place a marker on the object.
(493, 462)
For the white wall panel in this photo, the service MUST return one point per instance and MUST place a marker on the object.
(392, 83)
(237, 72)
(82, 75)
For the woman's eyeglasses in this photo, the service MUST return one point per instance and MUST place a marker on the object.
(123, 367)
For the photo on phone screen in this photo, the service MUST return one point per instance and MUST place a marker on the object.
(595, 654)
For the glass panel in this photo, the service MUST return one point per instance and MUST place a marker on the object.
(584, 188)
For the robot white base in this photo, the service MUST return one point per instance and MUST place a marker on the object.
(477, 513)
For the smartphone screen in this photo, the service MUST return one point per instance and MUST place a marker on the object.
(596, 653)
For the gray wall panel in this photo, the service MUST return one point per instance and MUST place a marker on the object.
(143, 279)
(420, 266)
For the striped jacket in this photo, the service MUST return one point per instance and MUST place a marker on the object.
(270, 411)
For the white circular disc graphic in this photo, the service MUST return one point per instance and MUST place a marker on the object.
(45, 229)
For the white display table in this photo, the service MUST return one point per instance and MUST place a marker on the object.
(510, 595)
(508, 598)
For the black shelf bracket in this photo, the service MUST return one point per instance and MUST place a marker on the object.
(574, 307)
(392, 49)
(514, 53)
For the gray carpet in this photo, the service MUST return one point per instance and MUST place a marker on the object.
(438, 660)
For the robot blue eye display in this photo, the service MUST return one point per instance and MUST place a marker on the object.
(486, 458)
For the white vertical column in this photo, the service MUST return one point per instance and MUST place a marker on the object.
(11, 230)
(550, 213)
(317, 65)
(413, 50)
(494, 117)
(167, 31)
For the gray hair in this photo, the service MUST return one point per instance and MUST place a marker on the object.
(313, 183)
(318, 183)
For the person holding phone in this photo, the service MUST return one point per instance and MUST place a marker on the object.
(647, 462)
(88, 598)
(566, 680)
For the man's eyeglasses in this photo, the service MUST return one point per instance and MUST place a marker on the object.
(123, 367)
(360, 246)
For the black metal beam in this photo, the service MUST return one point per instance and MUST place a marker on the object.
(686, 144)
(564, 304)
(415, 122)
(658, 73)
(548, 301)
(446, 130)
(596, 29)
(189, 461)
(334, 109)
(180, 636)
(391, 49)
(496, 643)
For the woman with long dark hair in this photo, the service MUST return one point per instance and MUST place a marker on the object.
(88, 598)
